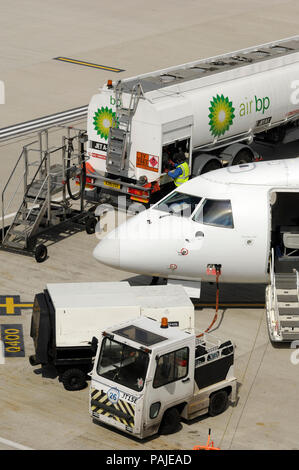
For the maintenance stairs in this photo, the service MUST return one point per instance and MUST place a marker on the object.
(44, 202)
(33, 207)
(282, 306)
(119, 133)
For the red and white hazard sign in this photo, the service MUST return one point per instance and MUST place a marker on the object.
(153, 161)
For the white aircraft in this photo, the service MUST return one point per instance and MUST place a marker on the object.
(231, 217)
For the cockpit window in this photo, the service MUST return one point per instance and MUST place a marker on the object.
(215, 212)
(179, 204)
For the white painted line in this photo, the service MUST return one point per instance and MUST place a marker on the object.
(14, 444)
(82, 109)
(46, 121)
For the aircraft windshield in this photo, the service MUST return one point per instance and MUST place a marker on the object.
(215, 212)
(179, 204)
(123, 364)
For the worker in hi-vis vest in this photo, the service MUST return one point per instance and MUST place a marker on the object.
(181, 172)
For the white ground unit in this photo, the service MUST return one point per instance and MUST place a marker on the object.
(66, 316)
(211, 109)
(147, 376)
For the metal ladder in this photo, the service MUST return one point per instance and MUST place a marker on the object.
(120, 131)
(282, 304)
(287, 304)
(42, 180)
(32, 209)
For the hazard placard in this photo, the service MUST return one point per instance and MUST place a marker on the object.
(147, 161)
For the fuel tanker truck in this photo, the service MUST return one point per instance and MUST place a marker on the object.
(213, 110)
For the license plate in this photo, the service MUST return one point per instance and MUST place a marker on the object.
(112, 185)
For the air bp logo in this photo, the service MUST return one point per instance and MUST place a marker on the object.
(221, 115)
(103, 119)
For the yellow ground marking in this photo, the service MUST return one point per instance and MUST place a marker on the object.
(10, 305)
(88, 64)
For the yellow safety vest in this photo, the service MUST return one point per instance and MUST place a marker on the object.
(184, 176)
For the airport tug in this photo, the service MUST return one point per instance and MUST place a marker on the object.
(148, 375)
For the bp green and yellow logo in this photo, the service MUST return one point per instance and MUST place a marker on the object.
(103, 119)
(221, 115)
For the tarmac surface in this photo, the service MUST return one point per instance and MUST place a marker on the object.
(139, 37)
(38, 413)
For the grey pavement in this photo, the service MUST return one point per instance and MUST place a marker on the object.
(137, 36)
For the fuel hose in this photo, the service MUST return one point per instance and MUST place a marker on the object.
(70, 149)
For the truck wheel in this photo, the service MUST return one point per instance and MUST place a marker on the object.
(210, 166)
(244, 156)
(218, 403)
(171, 422)
(73, 379)
(41, 253)
(90, 225)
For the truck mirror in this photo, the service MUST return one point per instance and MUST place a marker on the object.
(94, 345)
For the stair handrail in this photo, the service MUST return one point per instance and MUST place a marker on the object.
(5, 188)
(7, 183)
(134, 100)
(5, 209)
(297, 281)
(274, 304)
(272, 275)
(35, 174)
(34, 204)
(25, 194)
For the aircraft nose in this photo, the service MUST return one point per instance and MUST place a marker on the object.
(107, 252)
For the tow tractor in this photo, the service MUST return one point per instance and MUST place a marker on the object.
(147, 376)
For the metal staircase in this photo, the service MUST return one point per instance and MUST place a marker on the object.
(282, 306)
(34, 205)
(287, 305)
(119, 133)
(44, 203)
